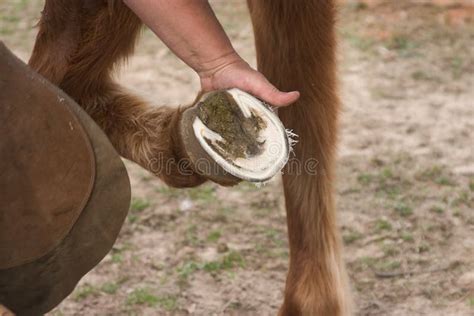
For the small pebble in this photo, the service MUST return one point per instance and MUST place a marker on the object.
(186, 205)
(222, 248)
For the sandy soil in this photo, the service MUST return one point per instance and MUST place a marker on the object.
(405, 185)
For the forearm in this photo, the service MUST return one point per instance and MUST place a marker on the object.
(190, 29)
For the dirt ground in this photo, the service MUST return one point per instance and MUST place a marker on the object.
(405, 188)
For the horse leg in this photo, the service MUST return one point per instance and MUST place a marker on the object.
(295, 43)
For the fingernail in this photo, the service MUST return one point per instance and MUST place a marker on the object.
(294, 94)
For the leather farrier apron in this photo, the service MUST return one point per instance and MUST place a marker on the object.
(64, 191)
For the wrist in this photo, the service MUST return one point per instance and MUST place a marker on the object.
(209, 68)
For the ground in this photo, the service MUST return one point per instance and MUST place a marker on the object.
(404, 191)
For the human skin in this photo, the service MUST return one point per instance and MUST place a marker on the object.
(191, 30)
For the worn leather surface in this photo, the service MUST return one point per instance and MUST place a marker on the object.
(37, 286)
(47, 166)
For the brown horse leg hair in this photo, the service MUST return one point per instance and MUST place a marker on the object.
(295, 43)
(77, 47)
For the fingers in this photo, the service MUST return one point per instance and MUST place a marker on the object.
(242, 76)
(278, 98)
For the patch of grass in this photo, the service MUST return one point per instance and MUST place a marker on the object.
(401, 43)
(391, 191)
(187, 269)
(168, 191)
(18, 6)
(222, 214)
(388, 265)
(230, 261)
(420, 75)
(470, 301)
(387, 173)
(168, 302)
(436, 174)
(139, 204)
(365, 178)
(264, 251)
(226, 210)
(6, 31)
(382, 224)
(235, 305)
(462, 198)
(117, 252)
(275, 236)
(430, 173)
(132, 218)
(263, 212)
(266, 203)
(85, 291)
(147, 177)
(142, 296)
(457, 65)
(367, 261)
(191, 235)
(378, 92)
(398, 41)
(283, 253)
(214, 236)
(117, 257)
(403, 209)
(437, 209)
(390, 250)
(360, 42)
(11, 18)
(109, 287)
(390, 185)
(444, 180)
(432, 227)
(203, 194)
(351, 237)
(211, 266)
(408, 237)
(164, 279)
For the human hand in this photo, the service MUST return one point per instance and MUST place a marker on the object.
(233, 72)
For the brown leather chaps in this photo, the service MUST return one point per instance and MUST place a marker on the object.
(64, 191)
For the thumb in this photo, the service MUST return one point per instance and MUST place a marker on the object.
(263, 89)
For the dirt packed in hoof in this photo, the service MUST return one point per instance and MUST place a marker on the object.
(220, 113)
